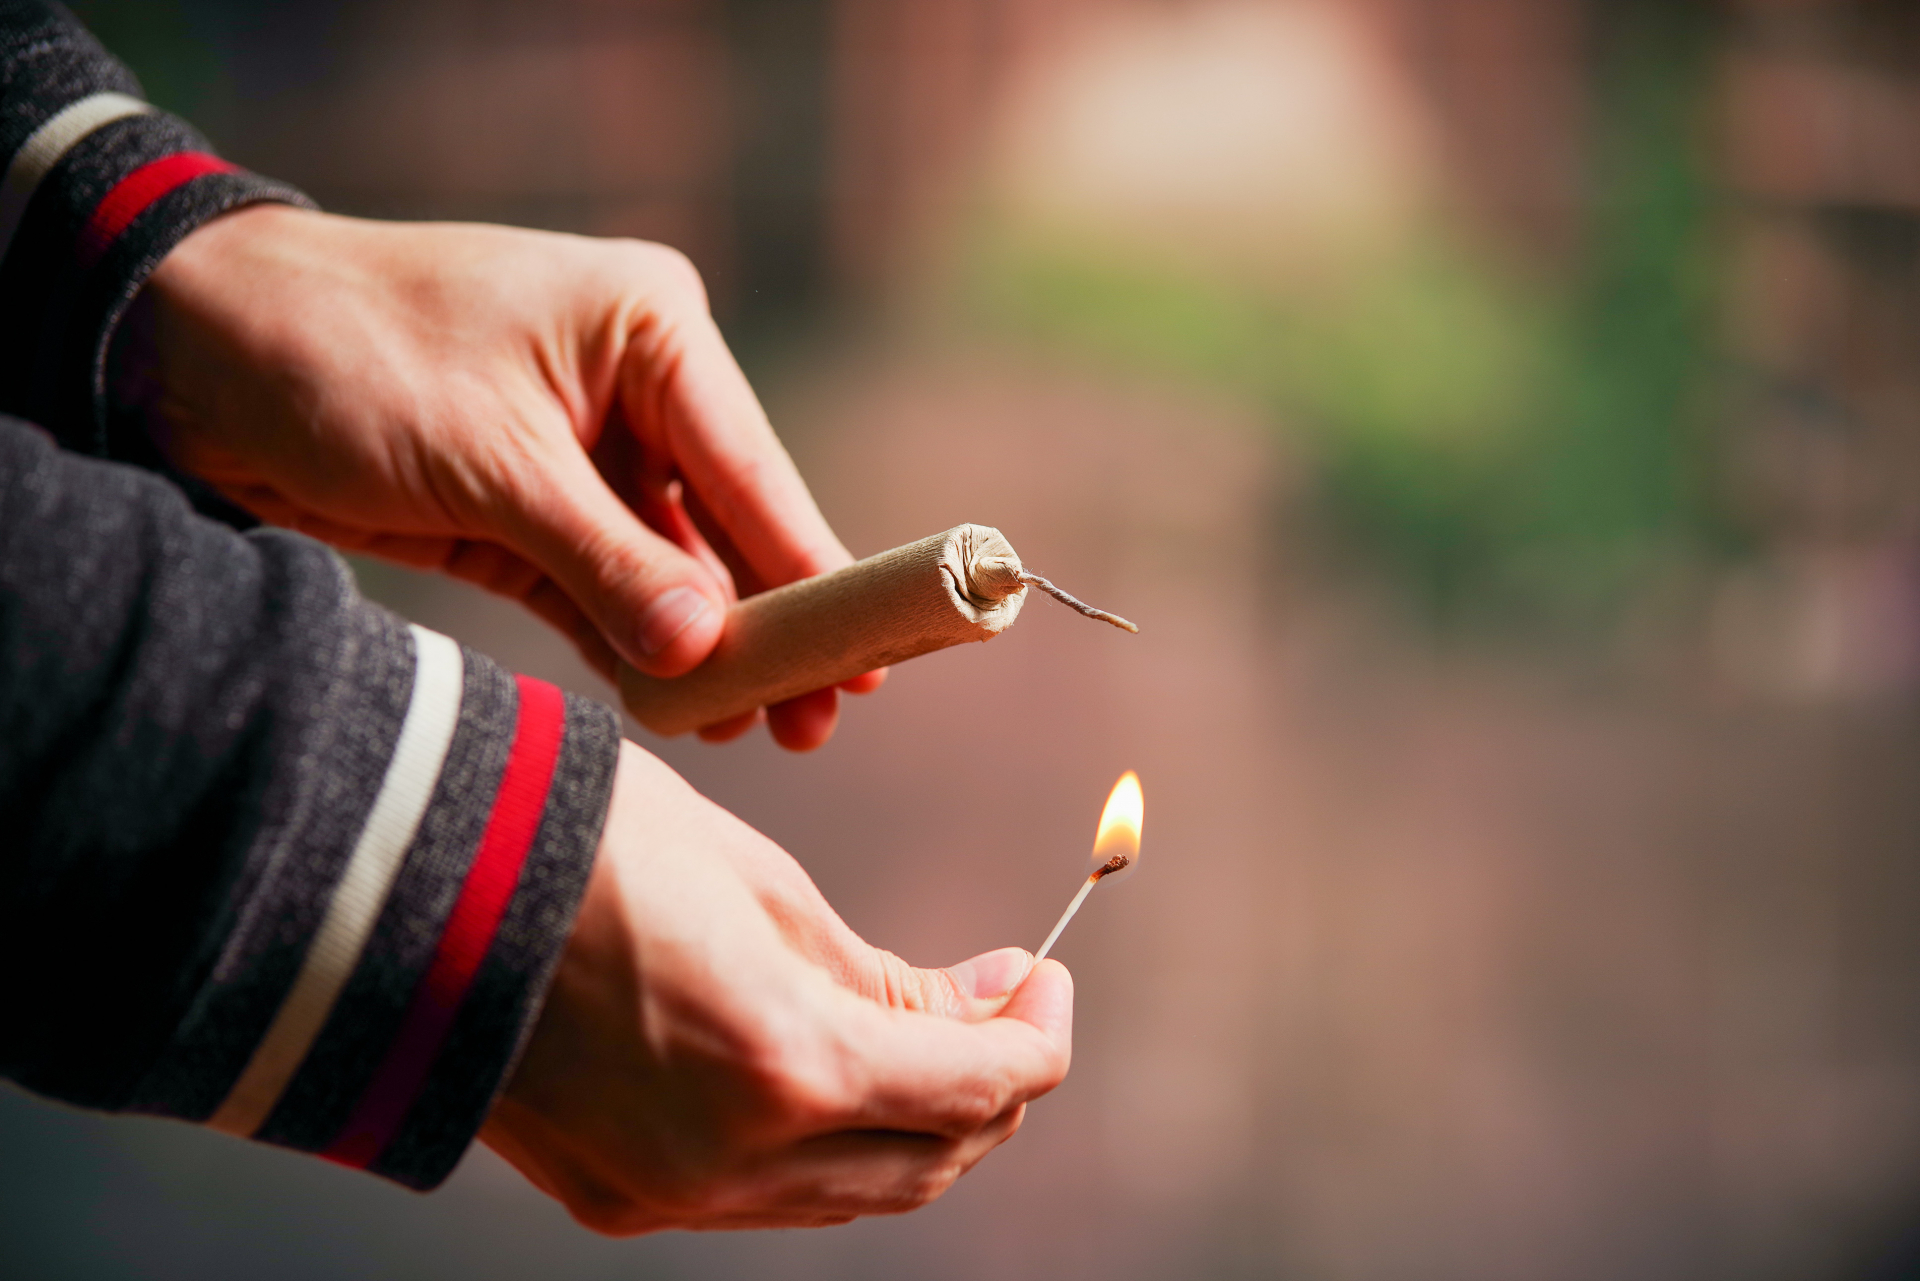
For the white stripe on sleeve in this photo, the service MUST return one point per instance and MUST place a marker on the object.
(432, 714)
(44, 147)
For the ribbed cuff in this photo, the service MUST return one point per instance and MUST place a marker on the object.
(377, 989)
(99, 188)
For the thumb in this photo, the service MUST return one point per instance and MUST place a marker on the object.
(984, 984)
(659, 607)
(1044, 1000)
(973, 990)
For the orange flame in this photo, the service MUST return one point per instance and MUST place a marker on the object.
(1116, 846)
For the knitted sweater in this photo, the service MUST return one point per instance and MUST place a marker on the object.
(271, 859)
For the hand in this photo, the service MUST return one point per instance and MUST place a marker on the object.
(552, 417)
(719, 1050)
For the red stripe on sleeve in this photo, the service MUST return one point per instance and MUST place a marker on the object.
(469, 932)
(130, 197)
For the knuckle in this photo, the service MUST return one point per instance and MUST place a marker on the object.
(895, 979)
(671, 270)
(692, 1199)
(927, 1186)
(977, 1107)
(693, 1187)
(608, 1213)
(905, 987)
(684, 276)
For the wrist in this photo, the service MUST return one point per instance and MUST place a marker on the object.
(188, 282)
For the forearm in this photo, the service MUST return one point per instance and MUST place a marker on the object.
(273, 859)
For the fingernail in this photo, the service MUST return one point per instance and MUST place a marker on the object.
(992, 974)
(671, 613)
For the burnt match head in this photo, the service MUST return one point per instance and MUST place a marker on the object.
(1118, 863)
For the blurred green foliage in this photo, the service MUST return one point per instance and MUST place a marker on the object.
(1513, 450)
(169, 44)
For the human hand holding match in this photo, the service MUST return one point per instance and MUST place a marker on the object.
(720, 1050)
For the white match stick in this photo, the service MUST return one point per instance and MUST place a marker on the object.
(1066, 916)
(1117, 863)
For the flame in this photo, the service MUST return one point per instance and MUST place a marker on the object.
(1119, 836)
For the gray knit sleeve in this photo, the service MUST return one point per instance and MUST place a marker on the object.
(270, 858)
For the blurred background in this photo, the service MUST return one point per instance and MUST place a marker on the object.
(1503, 419)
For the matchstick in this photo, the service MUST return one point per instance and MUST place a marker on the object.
(1116, 841)
(1115, 864)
